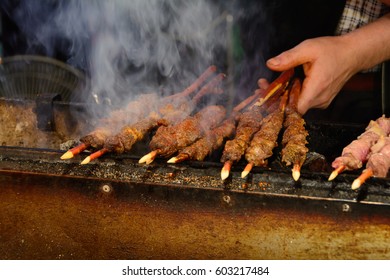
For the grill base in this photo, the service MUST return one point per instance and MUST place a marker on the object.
(68, 217)
(114, 208)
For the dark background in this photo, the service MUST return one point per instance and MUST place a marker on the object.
(261, 29)
(265, 28)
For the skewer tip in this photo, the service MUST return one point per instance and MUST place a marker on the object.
(367, 173)
(225, 172)
(244, 173)
(296, 173)
(246, 170)
(67, 155)
(86, 160)
(336, 172)
(143, 159)
(179, 158)
(356, 184)
(172, 160)
(333, 175)
(148, 158)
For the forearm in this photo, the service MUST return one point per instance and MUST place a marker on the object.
(370, 44)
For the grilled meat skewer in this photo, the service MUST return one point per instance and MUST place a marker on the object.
(169, 139)
(355, 154)
(128, 136)
(134, 110)
(265, 140)
(169, 114)
(131, 134)
(294, 137)
(207, 144)
(249, 123)
(215, 138)
(138, 109)
(378, 163)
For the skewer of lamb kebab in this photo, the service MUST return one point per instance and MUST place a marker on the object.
(171, 113)
(169, 139)
(355, 154)
(294, 137)
(378, 163)
(140, 108)
(135, 110)
(215, 138)
(249, 123)
(265, 140)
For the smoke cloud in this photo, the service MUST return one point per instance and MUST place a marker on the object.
(124, 44)
(128, 47)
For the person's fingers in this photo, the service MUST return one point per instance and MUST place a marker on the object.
(309, 96)
(263, 83)
(313, 95)
(303, 106)
(289, 59)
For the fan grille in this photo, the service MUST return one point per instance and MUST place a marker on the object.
(26, 76)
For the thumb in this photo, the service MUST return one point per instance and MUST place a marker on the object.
(288, 59)
(303, 106)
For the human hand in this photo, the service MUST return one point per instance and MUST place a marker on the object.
(327, 63)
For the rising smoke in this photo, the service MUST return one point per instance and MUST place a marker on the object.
(122, 44)
(131, 46)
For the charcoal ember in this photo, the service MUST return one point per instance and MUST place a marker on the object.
(316, 162)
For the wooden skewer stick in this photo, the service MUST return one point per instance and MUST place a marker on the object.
(94, 156)
(197, 83)
(74, 151)
(149, 158)
(367, 173)
(209, 87)
(246, 170)
(247, 101)
(279, 83)
(336, 172)
(226, 169)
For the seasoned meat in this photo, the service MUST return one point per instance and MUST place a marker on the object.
(210, 142)
(265, 140)
(249, 123)
(170, 139)
(294, 139)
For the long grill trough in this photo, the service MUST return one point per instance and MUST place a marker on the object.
(116, 208)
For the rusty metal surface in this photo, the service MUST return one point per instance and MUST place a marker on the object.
(117, 209)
